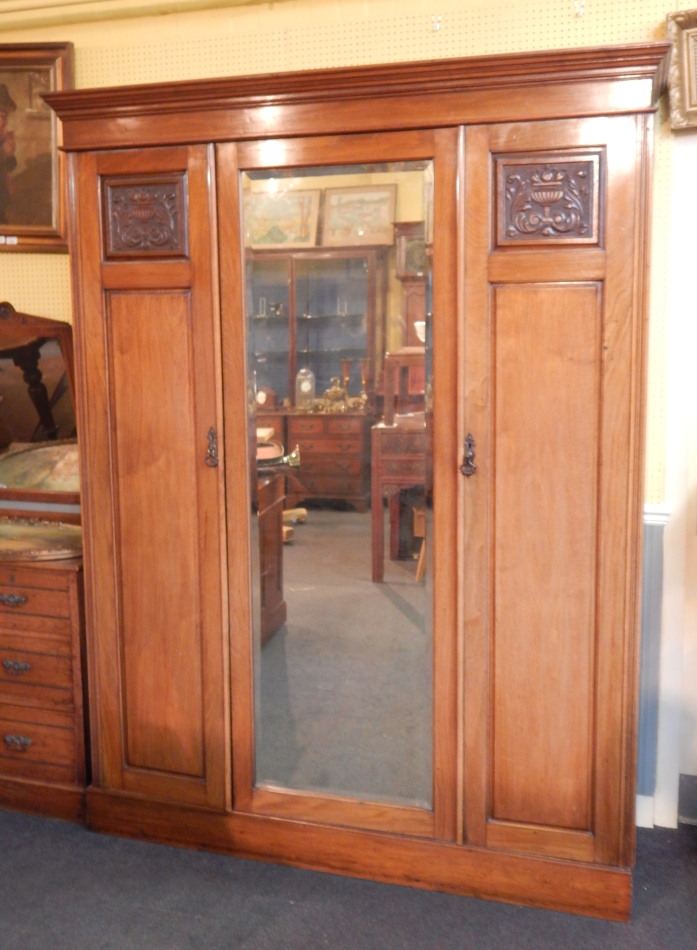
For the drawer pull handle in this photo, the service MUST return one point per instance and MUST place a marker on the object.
(16, 667)
(17, 743)
(13, 600)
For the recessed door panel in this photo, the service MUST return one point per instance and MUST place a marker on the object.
(152, 394)
(545, 507)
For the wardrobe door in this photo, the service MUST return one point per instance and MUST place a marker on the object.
(343, 712)
(553, 386)
(148, 352)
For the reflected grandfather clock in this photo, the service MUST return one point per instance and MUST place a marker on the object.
(412, 264)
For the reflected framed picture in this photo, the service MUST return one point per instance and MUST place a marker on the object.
(32, 173)
(285, 218)
(359, 215)
(412, 256)
(682, 76)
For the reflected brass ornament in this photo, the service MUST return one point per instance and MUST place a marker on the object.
(336, 396)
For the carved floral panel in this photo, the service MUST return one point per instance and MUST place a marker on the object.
(551, 199)
(145, 217)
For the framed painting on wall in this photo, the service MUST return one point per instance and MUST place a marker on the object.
(281, 219)
(359, 215)
(682, 79)
(32, 176)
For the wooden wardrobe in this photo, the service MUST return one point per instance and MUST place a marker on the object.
(541, 170)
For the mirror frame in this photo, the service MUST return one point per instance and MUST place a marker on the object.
(13, 323)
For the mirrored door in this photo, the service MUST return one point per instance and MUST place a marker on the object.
(342, 514)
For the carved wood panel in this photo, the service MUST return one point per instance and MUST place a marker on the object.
(145, 217)
(548, 199)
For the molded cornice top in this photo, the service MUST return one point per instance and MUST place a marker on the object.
(614, 80)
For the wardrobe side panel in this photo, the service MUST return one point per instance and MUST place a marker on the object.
(150, 393)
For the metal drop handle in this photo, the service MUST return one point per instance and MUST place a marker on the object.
(468, 466)
(13, 600)
(15, 667)
(18, 743)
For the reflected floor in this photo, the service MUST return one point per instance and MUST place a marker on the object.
(345, 684)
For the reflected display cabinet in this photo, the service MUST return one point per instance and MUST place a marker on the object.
(313, 309)
(505, 767)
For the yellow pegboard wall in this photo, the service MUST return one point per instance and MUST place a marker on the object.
(37, 283)
(306, 35)
(311, 34)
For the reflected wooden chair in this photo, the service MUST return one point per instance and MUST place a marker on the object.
(398, 446)
(21, 339)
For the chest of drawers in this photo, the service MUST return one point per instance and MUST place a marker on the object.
(42, 722)
(334, 455)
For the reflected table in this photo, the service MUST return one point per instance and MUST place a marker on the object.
(398, 461)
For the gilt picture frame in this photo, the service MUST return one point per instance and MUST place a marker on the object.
(288, 218)
(682, 75)
(359, 215)
(32, 169)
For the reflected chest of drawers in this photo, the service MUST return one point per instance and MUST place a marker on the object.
(334, 455)
(42, 723)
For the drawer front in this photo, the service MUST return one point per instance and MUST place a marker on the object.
(329, 425)
(341, 425)
(17, 600)
(403, 469)
(37, 747)
(401, 443)
(339, 446)
(333, 486)
(33, 676)
(16, 574)
(310, 425)
(331, 466)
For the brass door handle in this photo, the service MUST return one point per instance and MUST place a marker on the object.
(211, 458)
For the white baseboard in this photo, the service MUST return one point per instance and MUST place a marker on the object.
(644, 817)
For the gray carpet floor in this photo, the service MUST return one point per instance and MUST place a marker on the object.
(345, 684)
(65, 888)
